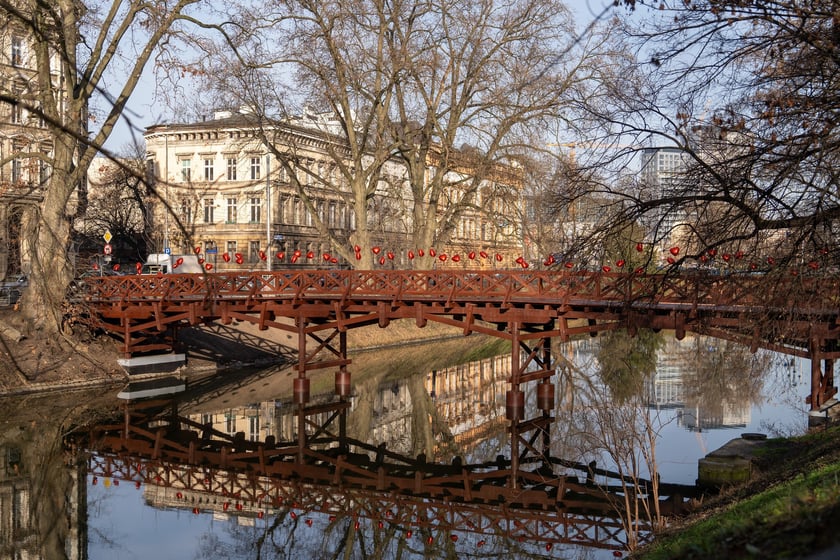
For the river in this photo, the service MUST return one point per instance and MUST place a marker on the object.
(444, 401)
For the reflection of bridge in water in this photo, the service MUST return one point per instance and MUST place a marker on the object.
(544, 500)
(795, 315)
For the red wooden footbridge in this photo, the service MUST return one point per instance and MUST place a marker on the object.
(793, 314)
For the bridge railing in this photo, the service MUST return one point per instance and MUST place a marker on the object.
(513, 286)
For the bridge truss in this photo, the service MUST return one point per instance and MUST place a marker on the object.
(795, 315)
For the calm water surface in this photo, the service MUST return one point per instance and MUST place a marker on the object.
(704, 394)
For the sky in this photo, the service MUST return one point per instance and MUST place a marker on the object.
(144, 110)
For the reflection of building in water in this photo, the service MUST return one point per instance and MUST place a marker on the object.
(16, 530)
(469, 397)
(681, 381)
(19, 537)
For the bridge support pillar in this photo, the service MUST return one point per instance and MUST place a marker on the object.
(822, 378)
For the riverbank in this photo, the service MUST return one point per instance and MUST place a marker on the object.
(791, 509)
(31, 365)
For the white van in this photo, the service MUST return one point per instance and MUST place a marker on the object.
(172, 264)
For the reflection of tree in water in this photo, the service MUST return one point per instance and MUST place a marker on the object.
(720, 377)
(48, 520)
(626, 361)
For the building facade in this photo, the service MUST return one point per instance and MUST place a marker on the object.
(232, 200)
(25, 142)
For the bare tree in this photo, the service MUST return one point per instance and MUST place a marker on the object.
(80, 49)
(430, 104)
(747, 92)
(118, 203)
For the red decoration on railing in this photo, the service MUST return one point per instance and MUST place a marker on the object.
(208, 266)
(432, 252)
(333, 260)
(814, 265)
(739, 254)
(606, 268)
(674, 251)
(95, 266)
(482, 254)
(442, 257)
(703, 258)
(310, 254)
(420, 252)
(771, 261)
(179, 262)
(138, 267)
(376, 250)
(226, 257)
(712, 252)
(296, 254)
(640, 270)
(640, 247)
(619, 263)
(280, 255)
(753, 266)
(519, 260)
(498, 257)
(390, 255)
(357, 248)
(411, 255)
(262, 255)
(358, 256)
(116, 267)
(471, 255)
(726, 257)
(326, 256)
(200, 261)
(670, 260)
(456, 258)
(295, 257)
(569, 265)
(196, 250)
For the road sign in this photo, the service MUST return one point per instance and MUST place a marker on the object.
(212, 251)
(167, 250)
(107, 249)
(107, 237)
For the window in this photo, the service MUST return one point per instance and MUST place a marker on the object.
(254, 428)
(208, 211)
(186, 166)
(17, 114)
(255, 168)
(253, 251)
(186, 211)
(208, 169)
(231, 169)
(231, 210)
(17, 170)
(231, 247)
(230, 423)
(256, 210)
(17, 51)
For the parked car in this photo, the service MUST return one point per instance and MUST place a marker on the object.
(11, 290)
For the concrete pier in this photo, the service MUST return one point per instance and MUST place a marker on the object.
(731, 464)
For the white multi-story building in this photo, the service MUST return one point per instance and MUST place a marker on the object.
(662, 173)
(227, 195)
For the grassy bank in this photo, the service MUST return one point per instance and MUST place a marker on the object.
(791, 509)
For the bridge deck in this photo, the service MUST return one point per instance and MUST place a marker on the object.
(793, 314)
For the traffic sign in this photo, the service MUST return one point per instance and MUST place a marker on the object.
(167, 251)
(107, 249)
(107, 237)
